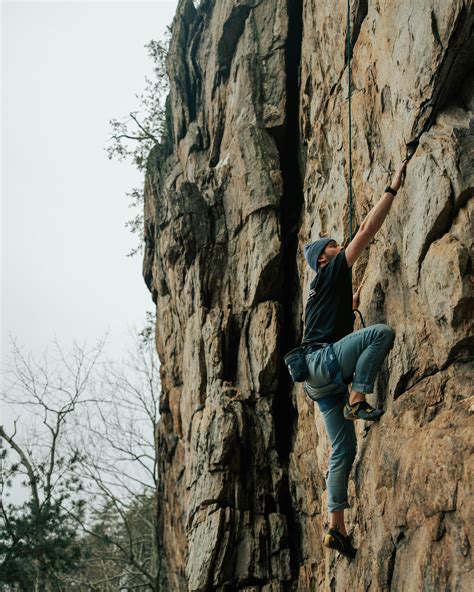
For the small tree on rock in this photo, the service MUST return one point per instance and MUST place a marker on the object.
(135, 135)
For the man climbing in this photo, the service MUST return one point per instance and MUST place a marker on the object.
(337, 356)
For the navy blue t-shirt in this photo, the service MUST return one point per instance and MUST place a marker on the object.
(328, 313)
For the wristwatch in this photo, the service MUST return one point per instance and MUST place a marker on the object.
(388, 189)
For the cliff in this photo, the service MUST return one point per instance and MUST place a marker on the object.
(257, 165)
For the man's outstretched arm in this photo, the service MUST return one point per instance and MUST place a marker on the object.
(374, 220)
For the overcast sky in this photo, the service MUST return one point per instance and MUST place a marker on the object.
(67, 68)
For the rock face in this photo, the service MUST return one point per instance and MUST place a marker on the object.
(258, 165)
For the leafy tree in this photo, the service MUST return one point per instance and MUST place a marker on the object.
(39, 543)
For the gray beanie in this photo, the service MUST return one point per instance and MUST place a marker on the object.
(313, 250)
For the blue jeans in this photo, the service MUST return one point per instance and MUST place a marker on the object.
(360, 354)
(342, 436)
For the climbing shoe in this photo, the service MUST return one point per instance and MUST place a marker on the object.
(336, 540)
(362, 410)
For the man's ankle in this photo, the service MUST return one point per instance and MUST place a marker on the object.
(357, 398)
(339, 528)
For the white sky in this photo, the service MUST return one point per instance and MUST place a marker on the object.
(67, 68)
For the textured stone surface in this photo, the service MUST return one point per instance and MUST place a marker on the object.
(258, 166)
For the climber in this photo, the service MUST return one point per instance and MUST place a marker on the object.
(336, 356)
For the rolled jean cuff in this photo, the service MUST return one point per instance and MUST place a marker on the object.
(367, 389)
(338, 507)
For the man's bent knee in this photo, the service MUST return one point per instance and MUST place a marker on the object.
(385, 331)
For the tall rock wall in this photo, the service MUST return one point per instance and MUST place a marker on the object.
(257, 166)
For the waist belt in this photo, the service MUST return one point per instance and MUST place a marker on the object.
(314, 347)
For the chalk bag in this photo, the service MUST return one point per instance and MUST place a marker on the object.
(295, 361)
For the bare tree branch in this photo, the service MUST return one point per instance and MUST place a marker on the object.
(26, 463)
